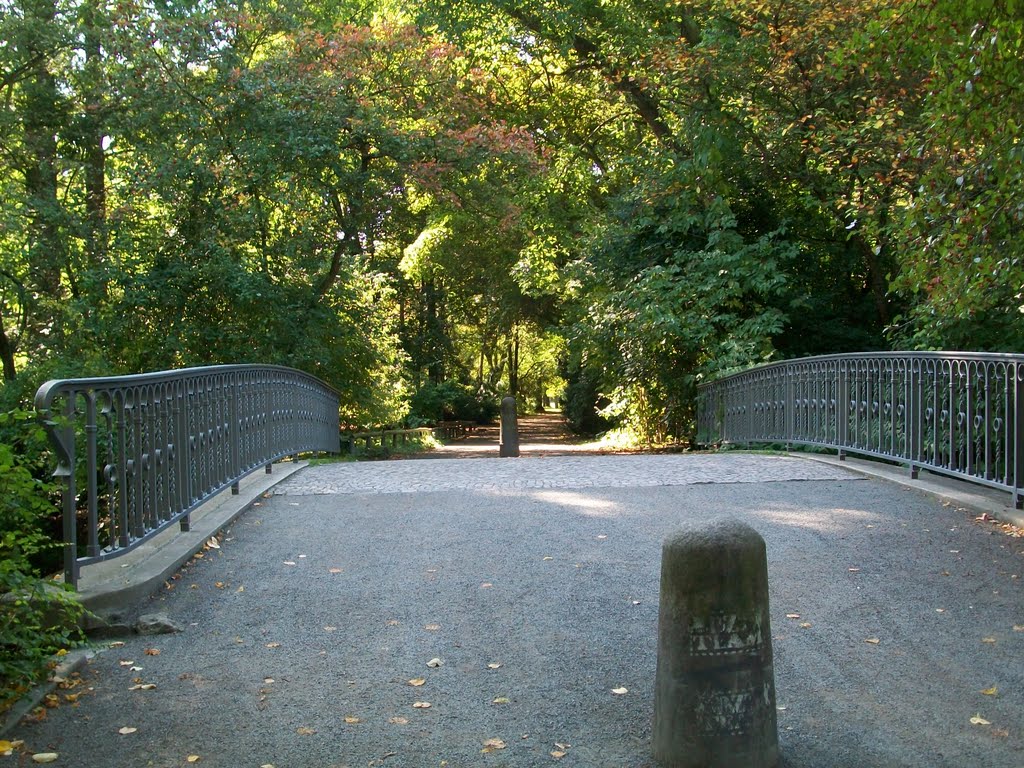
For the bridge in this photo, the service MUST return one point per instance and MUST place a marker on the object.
(518, 598)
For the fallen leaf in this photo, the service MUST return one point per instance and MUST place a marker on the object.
(979, 720)
(805, 625)
(152, 651)
(134, 669)
(116, 644)
(289, 562)
(486, 585)
(143, 687)
(391, 623)
(6, 747)
(494, 665)
(548, 557)
(304, 731)
(991, 691)
(126, 730)
(940, 610)
(792, 615)
(330, 629)
(240, 589)
(301, 556)
(273, 645)
(500, 700)
(125, 663)
(432, 627)
(219, 585)
(435, 663)
(872, 640)
(416, 682)
(193, 758)
(398, 721)
(620, 691)
(212, 544)
(636, 602)
(564, 747)
(490, 745)
(334, 570)
(602, 536)
(1018, 627)
(352, 720)
(988, 640)
(557, 754)
(44, 757)
(421, 705)
(853, 570)
(268, 680)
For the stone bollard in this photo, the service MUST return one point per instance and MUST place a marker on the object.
(714, 694)
(509, 441)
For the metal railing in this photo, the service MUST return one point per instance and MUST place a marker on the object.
(136, 454)
(955, 413)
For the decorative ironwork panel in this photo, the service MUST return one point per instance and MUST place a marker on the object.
(956, 413)
(138, 453)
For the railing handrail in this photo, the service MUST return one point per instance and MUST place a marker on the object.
(956, 413)
(170, 440)
(943, 355)
(45, 393)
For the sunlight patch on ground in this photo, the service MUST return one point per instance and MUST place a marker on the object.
(584, 504)
(822, 520)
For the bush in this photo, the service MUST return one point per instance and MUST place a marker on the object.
(583, 401)
(37, 617)
(450, 401)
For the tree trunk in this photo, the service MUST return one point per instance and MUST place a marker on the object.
(46, 253)
(7, 353)
(95, 154)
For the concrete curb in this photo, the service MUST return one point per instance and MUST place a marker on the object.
(75, 661)
(977, 498)
(112, 589)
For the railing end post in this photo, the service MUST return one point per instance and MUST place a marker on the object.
(268, 468)
(185, 523)
(234, 488)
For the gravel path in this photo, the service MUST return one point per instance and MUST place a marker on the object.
(302, 632)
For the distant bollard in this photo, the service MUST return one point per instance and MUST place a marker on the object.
(714, 700)
(509, 441)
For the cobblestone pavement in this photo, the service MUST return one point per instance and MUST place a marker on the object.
(582, 471)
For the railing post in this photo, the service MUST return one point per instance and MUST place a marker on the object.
(915, 414)
(789, 404)
(91, 473)
(1018, 435)
(843, 408)
(66, 472)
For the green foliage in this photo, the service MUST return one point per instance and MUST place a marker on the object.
(450, 401)
(37, 617)
(583, 401)
(388, 194)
